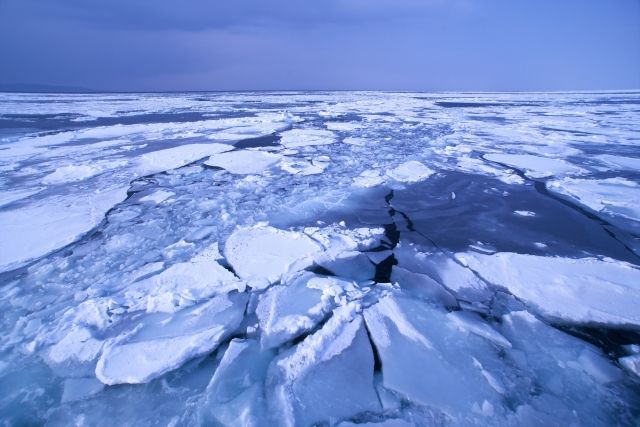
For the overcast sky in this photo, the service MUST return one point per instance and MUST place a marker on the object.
(482, 45)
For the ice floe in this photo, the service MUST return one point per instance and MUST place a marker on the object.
(305, 137)
(536, 166)
(261, 255)
(164, 342)
(244, 162)
(572, 290)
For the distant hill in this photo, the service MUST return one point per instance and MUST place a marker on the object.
(38, 88)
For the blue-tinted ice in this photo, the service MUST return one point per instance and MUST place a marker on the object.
(320, 258)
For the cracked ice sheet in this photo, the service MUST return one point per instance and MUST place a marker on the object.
(162, 342)
(587, 291)
(303, 378)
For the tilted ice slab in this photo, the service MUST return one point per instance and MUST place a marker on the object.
(304, 137)
(437, 361)
(163, 342)
(171, 158)
(235, 394)
(582, 290)
(536, 166)
(261, 255)
(578, 392)
(303, 380)
(286, 311)
(620, 162)
(444, 269)
(613, 196)
(244, 162)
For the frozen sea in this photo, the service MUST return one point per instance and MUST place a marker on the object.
(320, 258)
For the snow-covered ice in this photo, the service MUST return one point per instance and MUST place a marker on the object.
(575, 290)
(320, 258)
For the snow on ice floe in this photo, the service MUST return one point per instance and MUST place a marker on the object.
(298, 305)
(408, 172)
(411, 171)
(306, 137)
(183, 284)
(172, 158)
(48, 224)
(72, 173)
(164, 342)
(244, 162)
(620, 162)
(613, 196)
(261, 255)
(536, 166)
(581, 290)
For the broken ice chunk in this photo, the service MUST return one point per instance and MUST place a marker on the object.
(262, 254)
(157, 196)
(614, 196)
(77, 345)
(349, 264)
(183, 284)
(422, 286)
(164, 342)
(569, 373)
(303, 379)
(444, 269)
(285, 311)
(411, 171)
(303, 137)
(244, 162)
(443, 368)
(242, 365)
(175, 157)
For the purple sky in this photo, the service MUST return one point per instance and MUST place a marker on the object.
(482, 45)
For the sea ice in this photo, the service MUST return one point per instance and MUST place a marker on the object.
(261, 255)
(305, 137)
(303, 379)
(614, 196)
(580, 290)
(536, 166)
(409, 172)
(183, 284)
(163, 342)
(48, 224)
(244, 162)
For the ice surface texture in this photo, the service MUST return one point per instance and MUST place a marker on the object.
(374, 259)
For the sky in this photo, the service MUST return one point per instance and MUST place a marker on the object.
(422, 45)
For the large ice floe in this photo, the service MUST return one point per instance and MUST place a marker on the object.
(333, 259)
